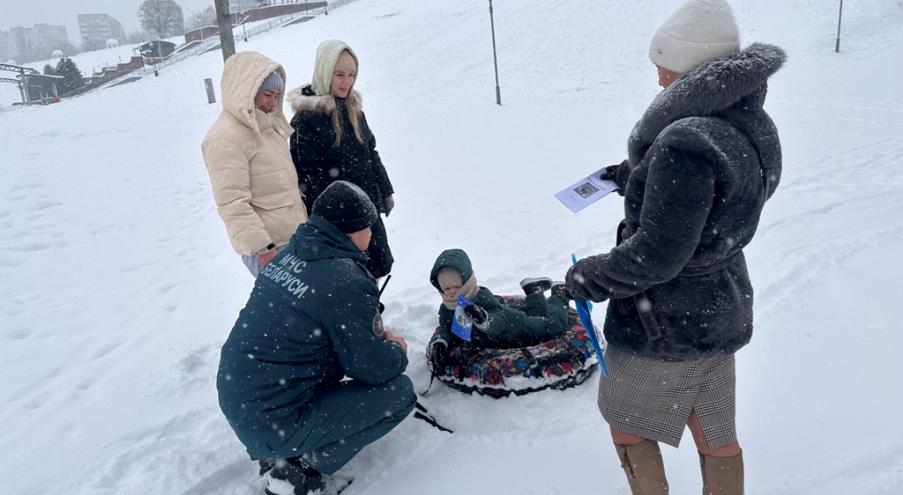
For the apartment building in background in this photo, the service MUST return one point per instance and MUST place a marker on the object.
(5, 54)
(96, 29)
(24, 44)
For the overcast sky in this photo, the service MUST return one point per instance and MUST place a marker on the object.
(29, 12)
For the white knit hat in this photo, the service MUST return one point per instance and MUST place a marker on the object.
(700, 30)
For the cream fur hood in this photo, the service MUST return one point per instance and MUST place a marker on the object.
(315, 96)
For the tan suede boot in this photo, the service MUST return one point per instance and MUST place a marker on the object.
(642, 463)
(722, 475)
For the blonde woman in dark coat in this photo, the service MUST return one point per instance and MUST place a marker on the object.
(332, 141)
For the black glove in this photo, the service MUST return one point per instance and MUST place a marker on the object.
(610, 172)
(580, 283)
(389, 204)
(477, 313)
(437, 354)
(617, 173)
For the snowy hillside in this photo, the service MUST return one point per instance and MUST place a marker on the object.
(88, 63)
(118, 286)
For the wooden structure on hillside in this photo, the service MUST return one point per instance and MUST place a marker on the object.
(35, 88)
(156, 51)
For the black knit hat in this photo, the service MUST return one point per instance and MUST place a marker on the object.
(346, 206)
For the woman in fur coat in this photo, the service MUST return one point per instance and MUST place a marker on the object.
(332, 141)
(702, 161)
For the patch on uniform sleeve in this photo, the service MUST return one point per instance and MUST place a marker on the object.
(378, 329)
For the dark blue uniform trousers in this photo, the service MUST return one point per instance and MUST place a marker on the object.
(341, 421)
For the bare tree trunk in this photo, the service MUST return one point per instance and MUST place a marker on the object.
(224, 20)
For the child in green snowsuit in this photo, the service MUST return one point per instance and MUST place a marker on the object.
(495, 324)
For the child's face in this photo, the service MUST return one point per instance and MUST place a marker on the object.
(451, 291)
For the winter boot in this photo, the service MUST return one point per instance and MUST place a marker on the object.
(536, 284)
(293, 477)
(266, 465)
(642, 463)
(561, 290)
(722, 475)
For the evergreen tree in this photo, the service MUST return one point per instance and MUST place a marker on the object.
(72, 77)
(49, 70)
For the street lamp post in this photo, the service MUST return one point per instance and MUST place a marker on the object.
(498, 92)
(839, 17)
(224, 21)
(159, 55)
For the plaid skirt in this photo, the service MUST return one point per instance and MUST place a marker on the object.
(653, 399)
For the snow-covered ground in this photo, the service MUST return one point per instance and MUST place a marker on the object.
(118, 286)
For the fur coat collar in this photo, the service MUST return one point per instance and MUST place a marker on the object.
(304, 99)
(733, 88)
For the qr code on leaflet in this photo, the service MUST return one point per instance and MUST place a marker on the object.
(586, 189)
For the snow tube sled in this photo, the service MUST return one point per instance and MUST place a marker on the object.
(559, 363)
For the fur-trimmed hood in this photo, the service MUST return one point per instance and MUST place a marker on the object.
(715, 89)
(303, 98)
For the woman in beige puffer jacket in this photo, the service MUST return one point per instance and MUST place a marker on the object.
(246, 152)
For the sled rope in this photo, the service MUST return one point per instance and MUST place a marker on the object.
(423, 414)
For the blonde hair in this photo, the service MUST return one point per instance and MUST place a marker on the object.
(353, 103)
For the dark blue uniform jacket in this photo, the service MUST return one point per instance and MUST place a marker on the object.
(312, 319)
